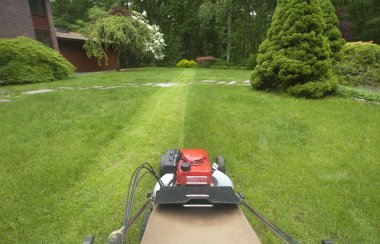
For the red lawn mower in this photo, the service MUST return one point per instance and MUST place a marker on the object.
(193, 201)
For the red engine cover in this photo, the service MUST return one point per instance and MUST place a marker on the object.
(200, 168)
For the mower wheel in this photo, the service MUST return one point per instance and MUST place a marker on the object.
(144, 222)
(221, 163)
(162, 165)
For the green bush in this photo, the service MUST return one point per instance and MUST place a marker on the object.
(184, 63)
(221, 64)
(312, 89)
(24, 60)
(360, 64)
(251, 62)
(353, 92)
(295, 51)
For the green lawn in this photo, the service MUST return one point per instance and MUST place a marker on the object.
(311, 166)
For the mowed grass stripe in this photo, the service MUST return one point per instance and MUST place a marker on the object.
(131, 76)
(61, 137)
(95, 204)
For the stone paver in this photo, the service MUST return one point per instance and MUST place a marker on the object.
(165, 84)
(38, 91)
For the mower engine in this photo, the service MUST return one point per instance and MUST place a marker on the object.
(193, 168)
(188, 177)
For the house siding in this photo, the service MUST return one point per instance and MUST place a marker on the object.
(15, 19)
(73, 51)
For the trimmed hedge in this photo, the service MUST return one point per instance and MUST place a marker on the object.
(184, 63)
(24, 60)
(360, 64)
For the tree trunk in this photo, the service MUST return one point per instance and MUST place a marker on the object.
(228, 36)
(118, 57)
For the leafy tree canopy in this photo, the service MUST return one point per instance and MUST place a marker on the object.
(120, 32)
(202, 27)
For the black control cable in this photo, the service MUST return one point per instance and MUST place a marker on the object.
(131, 193)
(276, 230)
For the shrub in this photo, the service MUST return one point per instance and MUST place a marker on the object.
(251, 62)
(360, 64)
(24, 60)
(205, 62)
(312, 89)
(353, 92)
(184, 63)
(221, 64)
(295, 51)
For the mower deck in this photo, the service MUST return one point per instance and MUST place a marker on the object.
(196, 195)
(219, 224)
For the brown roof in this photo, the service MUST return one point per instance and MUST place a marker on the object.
(70, 35)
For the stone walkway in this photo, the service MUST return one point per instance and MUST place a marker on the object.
(162, 85)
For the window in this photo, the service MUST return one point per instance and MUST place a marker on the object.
(44, 37)
(37, 7)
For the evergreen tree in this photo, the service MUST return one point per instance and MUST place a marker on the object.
(295, 55)
(331, 30)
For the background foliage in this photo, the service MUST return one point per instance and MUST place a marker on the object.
(360, 64)
(24, 60)
(202, 27)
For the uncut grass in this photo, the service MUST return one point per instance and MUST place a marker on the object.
(310, 166)
(50, 142)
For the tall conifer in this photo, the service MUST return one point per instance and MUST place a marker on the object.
(295, 55)
(331, 30)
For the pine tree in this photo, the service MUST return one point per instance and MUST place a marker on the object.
(295, 55)
(331, 30)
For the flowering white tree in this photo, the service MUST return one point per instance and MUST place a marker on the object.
(154, 43)
(120, 32)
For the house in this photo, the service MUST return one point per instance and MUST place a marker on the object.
(33, 18)
(30, 18)
(71, 47)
